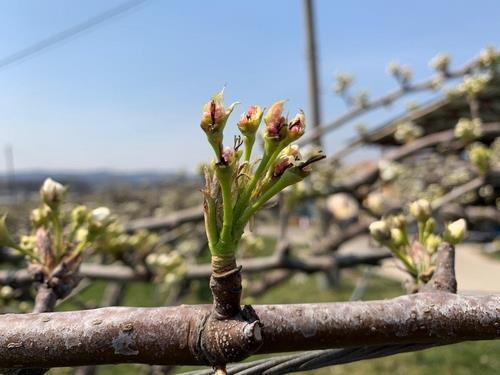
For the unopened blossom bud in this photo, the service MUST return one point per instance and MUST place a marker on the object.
(79, 215)
(362, 99)
(342, 82)
(215, 115)
(398, 237)
(28, 242)
(393, 68)
(380, 231)
(6, 292)
(406, 73)
(489, 56)
(99, 216)
(250, 121)
(440, 62)
(432, 242)
(40, 216)
(52, 193)
(398, 221)
(228, 156)
(287, 158)
(421, 210)
(276, 123)
(468, 129)
(401, 73)
(430, 225)
(455, 232)
(480, 156)
(407, 131)
(296, 127)
(300, 169)
(471, 85)
(25, 307)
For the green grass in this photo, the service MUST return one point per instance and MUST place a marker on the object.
(464, 358)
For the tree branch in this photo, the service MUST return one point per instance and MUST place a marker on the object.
(166, 335)
(383, 101)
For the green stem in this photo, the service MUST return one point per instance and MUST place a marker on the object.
(287, 179)
(215, 141)
(244, 198)
(421, 234)
(281, 146)
(25, 252)
(56, 223)
(248, 141)
(211, 223)
(80, 247)
(224, 175)
(409, 266)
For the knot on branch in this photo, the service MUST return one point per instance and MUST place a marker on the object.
(443, 279)
(61, 281)
(229, 333)
(229, 340)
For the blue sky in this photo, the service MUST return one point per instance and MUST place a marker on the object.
(127, 95)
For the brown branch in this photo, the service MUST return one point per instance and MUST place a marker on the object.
(383, 101)
(45, 299)
(443, 279)
(310, 264)
(167, 335)
(113, 295)
(371, 174)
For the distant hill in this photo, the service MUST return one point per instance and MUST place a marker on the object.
(83, 181)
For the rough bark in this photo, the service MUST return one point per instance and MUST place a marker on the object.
(168, 335)
(443, 279)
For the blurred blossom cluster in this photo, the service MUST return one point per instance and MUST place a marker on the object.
(407, 131)
(418, 254)
(468, 129)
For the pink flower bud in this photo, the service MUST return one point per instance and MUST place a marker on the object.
(297, 126)
(250, 121)
(276, 123)
(228, 155)
(215, 115)
(286, 159)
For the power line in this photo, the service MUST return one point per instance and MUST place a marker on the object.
(68, 33)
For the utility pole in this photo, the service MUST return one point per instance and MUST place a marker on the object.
(312, 67)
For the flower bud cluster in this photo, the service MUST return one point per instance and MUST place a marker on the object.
(468, 129)
(402, 74)
(440, 62)
(472, 85)
(60, 235)
(489, 57)
(342, 82)
(169, 267)
(480, 156)
(418, 255)
(237, 184)
(407, 131)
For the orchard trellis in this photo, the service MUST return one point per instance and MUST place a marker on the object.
(433, 314)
